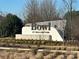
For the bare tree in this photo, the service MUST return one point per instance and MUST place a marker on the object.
(69, 7)
(45, 10)
(32, 11)
(48, 10)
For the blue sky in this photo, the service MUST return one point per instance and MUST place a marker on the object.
(12, 6)
(17, 6)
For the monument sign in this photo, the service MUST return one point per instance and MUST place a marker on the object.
(39, 32)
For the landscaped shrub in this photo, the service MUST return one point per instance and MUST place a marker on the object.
(39, 55)
(60, 57)
(70, 57)
(63, 48)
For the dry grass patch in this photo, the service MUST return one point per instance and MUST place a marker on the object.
(39, 55)
(60, 57)
(70, 57)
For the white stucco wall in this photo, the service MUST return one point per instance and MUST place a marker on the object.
(34, 37)
(53, 33)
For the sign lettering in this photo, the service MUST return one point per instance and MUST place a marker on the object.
(41, 27)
